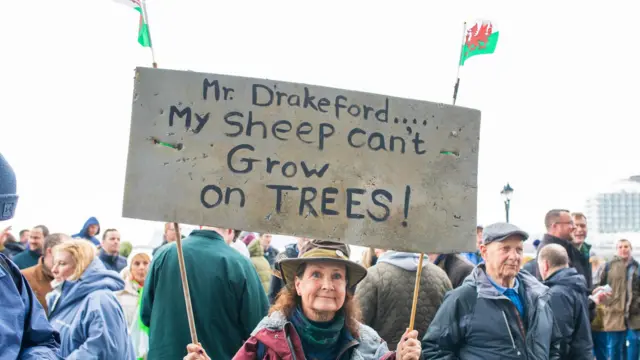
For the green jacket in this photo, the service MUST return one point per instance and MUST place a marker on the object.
(226, 293)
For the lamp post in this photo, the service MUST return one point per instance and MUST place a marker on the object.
(506, 193)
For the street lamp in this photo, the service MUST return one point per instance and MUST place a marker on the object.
(506, 193)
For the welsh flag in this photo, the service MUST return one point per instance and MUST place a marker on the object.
(143, 30)
(481, 38)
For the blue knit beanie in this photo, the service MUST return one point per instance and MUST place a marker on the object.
(8, 196)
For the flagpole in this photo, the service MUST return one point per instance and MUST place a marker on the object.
(146, 21)
(457, 85)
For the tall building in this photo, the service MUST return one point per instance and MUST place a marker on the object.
(616, 209)
(614, 213)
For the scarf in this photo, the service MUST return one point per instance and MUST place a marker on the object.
(320, 340)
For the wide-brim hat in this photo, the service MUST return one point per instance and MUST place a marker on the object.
(316, 251)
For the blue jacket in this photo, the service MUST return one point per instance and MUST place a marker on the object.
(112, 262)
(569, 302)
(476, 321)
(25, 333)
(89, 317)
(83, 233)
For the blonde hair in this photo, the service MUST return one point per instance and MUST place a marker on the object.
(82, 252)
(142, 255)
(367, 257)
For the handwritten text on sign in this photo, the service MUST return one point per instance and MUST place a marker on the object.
(295, 159)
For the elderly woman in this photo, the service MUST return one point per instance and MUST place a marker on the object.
(316, 317)
(83, 307)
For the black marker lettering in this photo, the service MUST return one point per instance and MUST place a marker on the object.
(186, 112)
(304, 202)
(417, 142)
(352, 133)
(374, 198)
(279, 189)
(280, 95)
(326, 130)
(276, 128)
(383, 114)
(206, 84)
(308, 99)
(248, 161)
(254, 95)
(353, 202)
(229, 191)
(234, 123)
(202, 121)
(322, 103)
(326, 200)
(251, 124)
(203, 195)
(339, 105)
(271, 163)
(299, 131)
(289, 165)
(392, 146)
(380, 142)
(311, 172)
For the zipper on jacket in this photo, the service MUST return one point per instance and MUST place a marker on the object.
(293, 350)
(513, 342)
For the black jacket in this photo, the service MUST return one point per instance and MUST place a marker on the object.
(456, 267)
(476, 321)
(576, 259)
(276, 284)
(570, 309)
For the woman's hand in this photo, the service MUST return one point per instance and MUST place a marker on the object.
(409, 347)
(196, 352)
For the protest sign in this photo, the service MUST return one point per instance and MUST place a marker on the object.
(302, 160)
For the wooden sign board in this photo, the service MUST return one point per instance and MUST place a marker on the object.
(301, 160)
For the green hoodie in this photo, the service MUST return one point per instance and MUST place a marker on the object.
(227, 297)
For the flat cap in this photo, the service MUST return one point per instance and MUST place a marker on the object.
(501, 231)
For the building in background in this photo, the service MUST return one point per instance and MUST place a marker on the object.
(614, 213)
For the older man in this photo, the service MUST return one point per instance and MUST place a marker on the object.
(568, 301)
(499, 312)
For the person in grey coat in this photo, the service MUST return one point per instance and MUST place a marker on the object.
(499, 312)
(568, 301)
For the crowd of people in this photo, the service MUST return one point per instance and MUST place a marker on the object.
(75, 297)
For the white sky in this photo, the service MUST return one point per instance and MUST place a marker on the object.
(558, 98)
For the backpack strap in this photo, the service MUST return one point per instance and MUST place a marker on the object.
(17, 280)
(261, 351)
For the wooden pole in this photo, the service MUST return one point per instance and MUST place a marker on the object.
(185, 286)
(416, 292)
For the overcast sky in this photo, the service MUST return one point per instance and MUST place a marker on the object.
(558, 98)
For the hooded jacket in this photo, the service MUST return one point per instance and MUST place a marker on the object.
(84, 233)
(569, 292)
(476, 322)
(115, 262)
(386, 294)
(25, 333)
(260, 263)
(89, 317)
